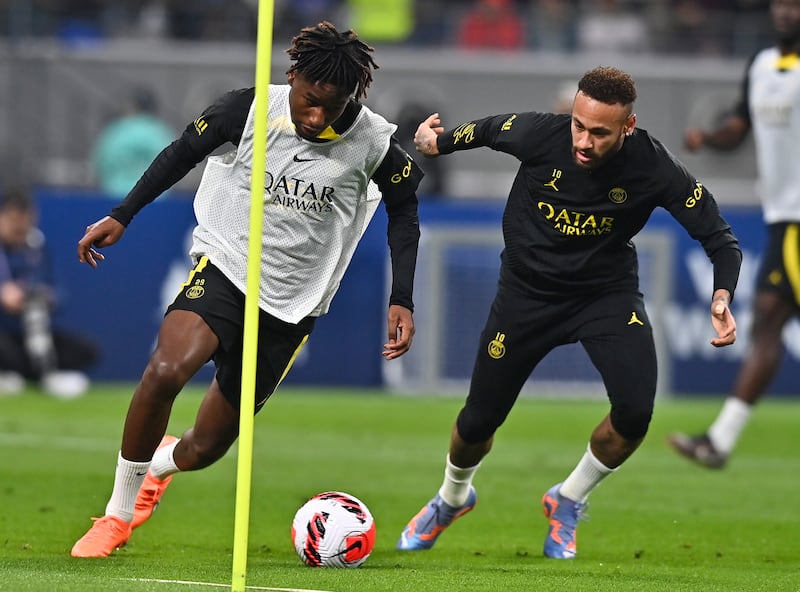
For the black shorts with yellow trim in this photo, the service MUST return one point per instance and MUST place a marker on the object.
(212, 296)
(612, 326)
(780, 263)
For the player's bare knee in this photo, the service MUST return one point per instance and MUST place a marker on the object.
(167, 374)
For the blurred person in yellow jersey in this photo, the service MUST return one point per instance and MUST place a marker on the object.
(382, 21)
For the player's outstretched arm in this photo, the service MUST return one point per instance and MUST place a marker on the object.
(103, 233)
(727, 136)
(401, 332)
(426, 134)
(722, 319)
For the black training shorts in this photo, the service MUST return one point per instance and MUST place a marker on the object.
(220, 304)
(613, 328)
(779, 270)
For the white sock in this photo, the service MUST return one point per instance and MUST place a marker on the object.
(163, 464)
(726, 429)
(457, 481)
(127, 480)
(584, 477)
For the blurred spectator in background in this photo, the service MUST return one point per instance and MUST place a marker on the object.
(705, 27)
(291, 15)
(433, 24)
(382, 21)
(609, 26)
(30, 348)
(212, 20)
(491, 24)
(129, 143)
(697, 26)
(752, 29)
(81, 23)
(552, 25)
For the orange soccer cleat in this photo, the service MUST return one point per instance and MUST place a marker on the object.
(106, 534)
(150, 492)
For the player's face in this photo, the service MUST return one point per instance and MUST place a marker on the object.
(786, 20)
(15, 224)
(314, 106)
(598, 130)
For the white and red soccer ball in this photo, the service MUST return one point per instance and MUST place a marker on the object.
(333, 529)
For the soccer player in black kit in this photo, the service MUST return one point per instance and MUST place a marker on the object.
(586, 185)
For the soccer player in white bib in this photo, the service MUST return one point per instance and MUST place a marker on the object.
(770, 106)
(331, 161)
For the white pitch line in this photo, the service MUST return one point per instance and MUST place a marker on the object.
(213, 585)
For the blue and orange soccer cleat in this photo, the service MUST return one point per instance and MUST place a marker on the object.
(424, 528)
(564, 513)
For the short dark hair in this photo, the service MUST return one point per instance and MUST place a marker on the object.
(608, 85)
(323, 54)
(16, 198)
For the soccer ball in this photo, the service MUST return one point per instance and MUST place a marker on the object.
(333, 529)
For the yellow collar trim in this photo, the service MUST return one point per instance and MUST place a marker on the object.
(787, 62)
(329, 134)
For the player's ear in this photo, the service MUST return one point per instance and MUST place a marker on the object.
(630, 124)
(290, 78)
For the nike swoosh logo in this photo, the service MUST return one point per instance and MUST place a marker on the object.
(140, 474)
(298, 159)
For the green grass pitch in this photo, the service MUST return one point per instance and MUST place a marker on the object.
(658, 524)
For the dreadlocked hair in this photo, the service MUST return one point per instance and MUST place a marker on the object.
(608, 85)
(324, 55)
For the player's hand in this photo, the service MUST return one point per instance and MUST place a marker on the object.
(12, 297)
(693, 140)
(401, 332)
(426, 134)
(722, 319)
(103, 233)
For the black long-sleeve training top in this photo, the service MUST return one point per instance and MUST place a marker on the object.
(567, 229)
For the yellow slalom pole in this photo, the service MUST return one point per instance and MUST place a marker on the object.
(244, 470)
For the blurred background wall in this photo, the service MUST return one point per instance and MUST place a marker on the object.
(69, 68)
(55, 101)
